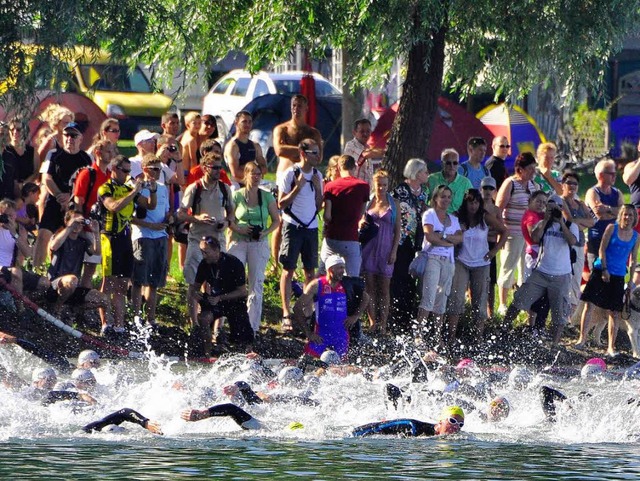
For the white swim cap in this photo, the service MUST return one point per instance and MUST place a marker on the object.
(519, 377)
(43, 373)
(330, 357)
(83, 375)
(88, 355)
(590, 371)
(290, 375)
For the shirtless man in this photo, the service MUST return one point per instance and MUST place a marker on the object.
(286, 138)
(241, 149)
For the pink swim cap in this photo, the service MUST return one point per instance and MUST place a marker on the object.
(597, 361)
(466, 363)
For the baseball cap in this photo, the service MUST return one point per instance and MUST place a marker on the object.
(488, 182)
(143, 135)
(333, 260)
(87, 356)
(72, 126)
(556, 199)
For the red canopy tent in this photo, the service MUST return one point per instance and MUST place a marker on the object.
(452, 127)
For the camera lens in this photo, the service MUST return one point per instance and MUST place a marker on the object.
(172, 148)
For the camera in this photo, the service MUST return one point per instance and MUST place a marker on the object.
(86, 222)
(556, 213)
(220, 225)
(255, 232)
(146, 185)
(4, 219)
(172, 148)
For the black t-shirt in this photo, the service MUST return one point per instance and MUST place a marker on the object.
(63, 165)
(7, 177)
(225, 276)
(23, 164)
(68, 258)
(497, 170)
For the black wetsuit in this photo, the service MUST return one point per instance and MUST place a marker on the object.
(239, 415)
(55, 396)
(397, 427)
(250, 397)
(117, 418)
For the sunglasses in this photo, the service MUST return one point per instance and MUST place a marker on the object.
(212, 167)
(610, 173)
(312, 152)
(449, 162)
(157, 169)
(571, 183)
(73, 135)
(16, 129)
(209, 123)
(488, 187)
(207, 239)
(503, 146)
(455, 422)
(122, 169)
(113, 131)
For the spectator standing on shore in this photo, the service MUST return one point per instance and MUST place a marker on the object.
(496, 163)
(459, 184)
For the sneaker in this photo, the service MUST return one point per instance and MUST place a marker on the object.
(502, 310)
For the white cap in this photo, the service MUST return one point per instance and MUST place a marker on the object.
(88, 355)
(519, 377)
(590, 371)
(143, 135)
(83, 375)
(290, 375)
(333, 260)
(43, 373)
(556, 199)
(330, 357)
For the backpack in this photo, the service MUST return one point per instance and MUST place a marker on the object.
(296, 173)
(465, 170)
(92, 182)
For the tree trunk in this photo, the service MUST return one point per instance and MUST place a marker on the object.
(351, 102)
(412, 127)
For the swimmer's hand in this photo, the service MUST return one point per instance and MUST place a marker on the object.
(194, 414)
(154, 427)
(87, 398)
(7, 339)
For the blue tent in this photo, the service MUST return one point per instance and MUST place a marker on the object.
(625, 129)
(273, 109)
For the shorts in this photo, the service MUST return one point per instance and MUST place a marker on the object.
(150, 265)
(117, 255)
(30, 281)
(52, 216)
(5, 274)
(298, 241)
(606, 295)
(78, 296)
(92, 259)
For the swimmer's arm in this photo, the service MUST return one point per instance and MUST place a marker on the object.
(121, 416)
(240, 416)
(247, 393)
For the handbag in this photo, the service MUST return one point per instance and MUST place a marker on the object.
(418, 265)
(368, 230)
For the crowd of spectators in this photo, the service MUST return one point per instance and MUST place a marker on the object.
(390, 260)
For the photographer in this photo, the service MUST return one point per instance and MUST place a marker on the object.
(68, 247)
(225, 277)
(551, 273)
(249, 238)
(119, 200)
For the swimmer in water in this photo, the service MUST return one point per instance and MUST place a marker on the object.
(118, 417)
(239, 415)
(451, 420)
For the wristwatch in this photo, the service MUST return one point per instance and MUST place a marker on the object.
(444, 235)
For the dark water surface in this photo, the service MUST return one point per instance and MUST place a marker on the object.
(267, 459)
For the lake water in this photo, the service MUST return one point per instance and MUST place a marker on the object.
(593, 438)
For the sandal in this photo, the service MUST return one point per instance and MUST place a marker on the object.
(287, 325)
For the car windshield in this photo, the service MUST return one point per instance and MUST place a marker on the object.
(116, 78)
(292, 86)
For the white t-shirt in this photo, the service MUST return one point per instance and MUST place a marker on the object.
(474, 247)
(304, 204)
(430, 217)
(7, 246)
(554, 257)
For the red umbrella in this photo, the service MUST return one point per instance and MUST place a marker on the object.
(452, 127)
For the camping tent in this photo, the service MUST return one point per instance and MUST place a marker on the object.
(452, 127)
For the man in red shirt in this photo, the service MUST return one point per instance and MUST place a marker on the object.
(345, 201)
(85, 195)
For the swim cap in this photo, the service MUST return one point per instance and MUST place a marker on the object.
(598, 361)
(83, 375)
(590, 371)
(499, 408)
(466, 363)
(330, 357)
(290, 375)
(295, 425)
(43, 373)
(519, 377)
(88, 355)
(333, 260)
(450, 411)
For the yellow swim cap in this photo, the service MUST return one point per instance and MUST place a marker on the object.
(296, 425)
(450, 411)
